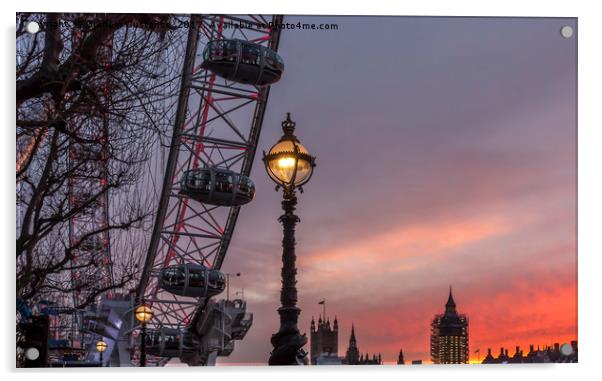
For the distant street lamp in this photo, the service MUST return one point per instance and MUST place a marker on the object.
(290, 166)
(143, 314)
(101, 347)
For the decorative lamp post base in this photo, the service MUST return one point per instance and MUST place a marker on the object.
(288, 342)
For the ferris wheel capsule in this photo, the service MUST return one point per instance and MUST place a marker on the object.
(217, 186)
(243, 61)
(192, 280)
(169, 342)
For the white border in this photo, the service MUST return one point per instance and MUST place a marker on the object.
(590, 184)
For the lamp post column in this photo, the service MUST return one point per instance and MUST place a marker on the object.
(288, 342)
(143, 314)
(143, 345)
(101, 347)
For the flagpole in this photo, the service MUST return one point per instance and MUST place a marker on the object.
(323, 303)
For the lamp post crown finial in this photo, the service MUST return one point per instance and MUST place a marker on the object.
(288, 126)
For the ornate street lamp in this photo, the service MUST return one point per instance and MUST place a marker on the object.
(101, 347)
(143, 314)
(290, 165)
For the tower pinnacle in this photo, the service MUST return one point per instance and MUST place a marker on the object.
(450, 306)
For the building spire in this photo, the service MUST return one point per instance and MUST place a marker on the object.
(400, 360)
(450, 306)
(353, 354)
(352, 338)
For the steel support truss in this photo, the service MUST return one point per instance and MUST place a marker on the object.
(217, 124)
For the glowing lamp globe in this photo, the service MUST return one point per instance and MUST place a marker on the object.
(101, 346)
(143, 313)
(288, 162)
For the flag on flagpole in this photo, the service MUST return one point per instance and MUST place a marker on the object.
(323, 303)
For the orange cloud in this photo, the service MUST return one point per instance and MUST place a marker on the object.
(375, 264)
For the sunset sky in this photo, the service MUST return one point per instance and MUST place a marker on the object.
(446, 154)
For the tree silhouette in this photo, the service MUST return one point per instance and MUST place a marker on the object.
(93, 99)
